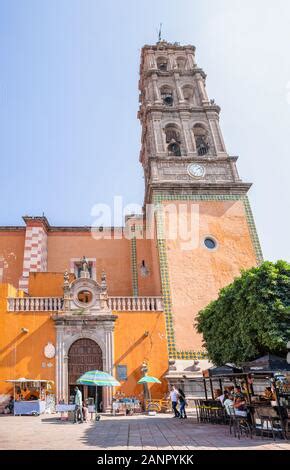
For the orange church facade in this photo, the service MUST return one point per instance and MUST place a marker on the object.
(121, 298)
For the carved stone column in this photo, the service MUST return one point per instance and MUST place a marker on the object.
(201, 87)
(109, 348)
(157, 97)
(234, 168)
(191, 61)
(178, 88)
(59, 357)
(65, 379)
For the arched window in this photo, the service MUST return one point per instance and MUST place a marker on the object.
(201, 139)
(187, 91)
(167, 95)
(180, 63)
(174, 149)
(173, 140)
(162, 64)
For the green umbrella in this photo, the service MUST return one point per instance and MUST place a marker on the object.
(98, 378)
(149, 379)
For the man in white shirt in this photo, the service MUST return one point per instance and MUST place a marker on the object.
(78, 413)
(174, 400)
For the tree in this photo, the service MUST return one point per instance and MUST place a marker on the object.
(251, 316)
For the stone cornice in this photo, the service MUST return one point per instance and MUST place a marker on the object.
(191, 110)
(170, 72)
(11, 228)
(36, 221)
(88, 320)
(198, 188)
(162, 45)
(192, 158)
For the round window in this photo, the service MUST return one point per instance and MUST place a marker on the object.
(85, 296)
(210, 243)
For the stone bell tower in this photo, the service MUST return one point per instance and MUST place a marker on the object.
(186, 166)
(182, 144)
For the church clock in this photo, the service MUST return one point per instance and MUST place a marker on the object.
(195, 170)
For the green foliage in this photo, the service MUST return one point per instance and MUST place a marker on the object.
(251, 316)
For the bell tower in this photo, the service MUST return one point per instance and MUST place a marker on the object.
(186, 165)
(182, 143)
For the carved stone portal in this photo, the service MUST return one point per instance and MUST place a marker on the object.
(85, 315)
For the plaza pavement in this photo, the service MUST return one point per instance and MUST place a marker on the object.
(48, 432)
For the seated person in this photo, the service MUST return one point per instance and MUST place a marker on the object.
(231, 409)
(226, 396)
(9, 408)
(218, 395)
(239, 398)
(239, 403)
(268, 394)
(238, 392)
(32, 397)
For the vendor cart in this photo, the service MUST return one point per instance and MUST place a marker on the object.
(29, 396)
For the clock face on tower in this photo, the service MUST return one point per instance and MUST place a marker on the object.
(196, 171)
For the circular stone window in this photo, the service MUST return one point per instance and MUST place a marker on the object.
(210, 243)
(85, 296)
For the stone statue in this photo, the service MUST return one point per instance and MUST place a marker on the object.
(84, 264)
(66, 278)
(144, 367)
(104, 280)
(66, 291)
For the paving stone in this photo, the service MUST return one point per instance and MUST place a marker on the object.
(123, 433)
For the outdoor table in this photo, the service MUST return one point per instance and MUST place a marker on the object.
(29, 407)
(64, 408)
(118, 407)
(123, 406)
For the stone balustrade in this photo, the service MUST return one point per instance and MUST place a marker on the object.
(35, 304)
(55, 304)
(136, 304)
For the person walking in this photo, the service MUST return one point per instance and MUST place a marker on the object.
(182, 401)
(78, 413)
(174, 400)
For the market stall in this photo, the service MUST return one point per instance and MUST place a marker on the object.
(30, 396)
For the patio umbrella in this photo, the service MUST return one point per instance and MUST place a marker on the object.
(149, 379)
(97, 378)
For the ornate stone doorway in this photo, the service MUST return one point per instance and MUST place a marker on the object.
(84, 355)
(84, 336)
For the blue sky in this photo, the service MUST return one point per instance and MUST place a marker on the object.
(70, 137)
